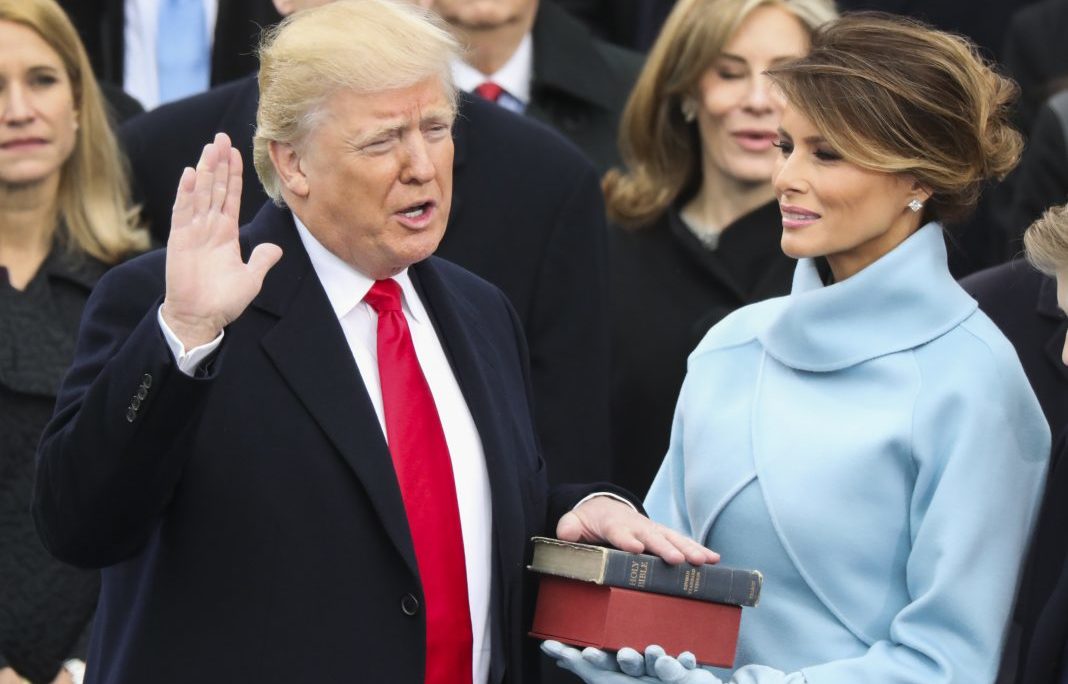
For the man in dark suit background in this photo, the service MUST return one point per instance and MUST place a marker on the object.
(527, 215)
(549, 67)
(226, 445)
(102, 27)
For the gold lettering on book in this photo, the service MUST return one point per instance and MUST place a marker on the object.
(639, 573)
(691, 581)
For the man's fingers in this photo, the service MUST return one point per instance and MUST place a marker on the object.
(676, 548)
(220, 180)
(262, 259)
(204, 180)
(183, 200)
(570, 527)
(695, 553)
(232, 205)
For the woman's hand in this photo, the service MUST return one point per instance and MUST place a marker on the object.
(208, 284)
(594, 666)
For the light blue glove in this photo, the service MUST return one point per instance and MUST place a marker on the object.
(594, 666)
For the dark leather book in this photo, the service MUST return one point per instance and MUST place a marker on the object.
(606, 617)
(643, 572)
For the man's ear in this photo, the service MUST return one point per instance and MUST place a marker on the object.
(286, 160)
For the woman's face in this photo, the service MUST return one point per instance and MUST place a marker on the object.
(739, 111)
(37, 117)
(834, 208)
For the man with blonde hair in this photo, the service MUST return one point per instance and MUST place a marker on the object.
(319, 464)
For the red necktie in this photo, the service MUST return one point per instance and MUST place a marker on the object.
(489, 91)
(424, 471)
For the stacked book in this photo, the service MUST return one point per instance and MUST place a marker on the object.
(606, 598)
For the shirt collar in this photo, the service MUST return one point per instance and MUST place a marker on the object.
(345, 286)
(514, 76)
(901, 301)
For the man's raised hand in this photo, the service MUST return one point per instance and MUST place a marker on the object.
(208, 284)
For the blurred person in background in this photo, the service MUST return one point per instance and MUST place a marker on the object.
(700, 228)
(532, 57)
(64, 219)
(163, 50)
(1042, 603)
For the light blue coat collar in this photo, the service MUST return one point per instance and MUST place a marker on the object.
(903, 300)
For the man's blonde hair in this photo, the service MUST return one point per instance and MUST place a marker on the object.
(1046, 241)
(366, 46)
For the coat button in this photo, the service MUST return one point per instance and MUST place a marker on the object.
(410, 605)
(146, 381)
(142, 392)
(130, 414)
(135, 403)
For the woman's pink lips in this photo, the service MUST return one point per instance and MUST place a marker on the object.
(797, 217)
(22, 143)
(755, 140)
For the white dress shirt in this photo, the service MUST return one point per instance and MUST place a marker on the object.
(139, 76)
(515, 76)
(345, 288)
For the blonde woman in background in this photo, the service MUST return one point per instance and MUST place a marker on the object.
(697, 228)
(64, 218)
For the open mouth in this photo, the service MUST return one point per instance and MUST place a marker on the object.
(755, 140)
(416, 210)
(417, 216)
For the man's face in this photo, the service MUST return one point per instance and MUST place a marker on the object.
(476, 15)
(373, 179)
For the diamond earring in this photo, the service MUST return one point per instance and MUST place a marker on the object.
(915, 205)
(689, 109)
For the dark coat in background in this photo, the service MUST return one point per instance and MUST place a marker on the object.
(527, 215)
(45, 606)
(100, 24)
(633, 24)
(1023, 303)
(248, 520)
(1041, 180)
(580, 83)
(1036, 56)
(668, 289)
(984, 21)
(1042, 606)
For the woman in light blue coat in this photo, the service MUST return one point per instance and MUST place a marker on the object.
(870, 441)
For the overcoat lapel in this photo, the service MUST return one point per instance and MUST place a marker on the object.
(310, 352)
(471, 355)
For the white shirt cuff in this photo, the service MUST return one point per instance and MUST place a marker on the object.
(610, 495)
(187, 361)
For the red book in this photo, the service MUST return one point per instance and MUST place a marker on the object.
(587, 614)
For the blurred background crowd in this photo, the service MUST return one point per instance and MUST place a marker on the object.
(612, 176)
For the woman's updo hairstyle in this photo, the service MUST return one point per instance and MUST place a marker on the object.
(895, 95)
